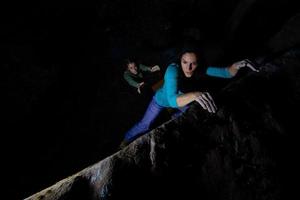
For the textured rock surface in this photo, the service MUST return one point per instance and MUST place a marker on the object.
(238, 153)
(65, 105)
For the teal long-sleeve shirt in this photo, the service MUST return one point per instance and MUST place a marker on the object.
(166, 96)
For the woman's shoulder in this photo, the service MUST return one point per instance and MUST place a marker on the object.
(172, 67)
(172, 70)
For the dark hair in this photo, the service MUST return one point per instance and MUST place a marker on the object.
(191, 48)
(128, 61)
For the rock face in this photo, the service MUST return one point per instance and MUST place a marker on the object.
(244, 151)
(61, 73)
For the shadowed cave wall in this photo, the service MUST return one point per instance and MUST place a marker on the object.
(238, 153)
(62, 81)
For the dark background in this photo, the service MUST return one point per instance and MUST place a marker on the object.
(65, 104)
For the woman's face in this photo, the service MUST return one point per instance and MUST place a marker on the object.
(188, 64)
(132, 68)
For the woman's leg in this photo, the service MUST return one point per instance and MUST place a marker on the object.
(142, 126)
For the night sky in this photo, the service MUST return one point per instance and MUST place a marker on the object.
(65, 104)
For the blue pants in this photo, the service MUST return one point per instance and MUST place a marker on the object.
(150, 115)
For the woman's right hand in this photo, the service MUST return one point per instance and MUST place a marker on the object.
(245, 63)
(206, 101)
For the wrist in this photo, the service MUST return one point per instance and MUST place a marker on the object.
(196, 95)
(233, 69)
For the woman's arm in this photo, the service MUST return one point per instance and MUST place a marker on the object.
(149, 69)
(231, 71)
(130, 80)
(144, 68)
(203, 98)
(221, 72)
(184, 99)
(235, 67)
